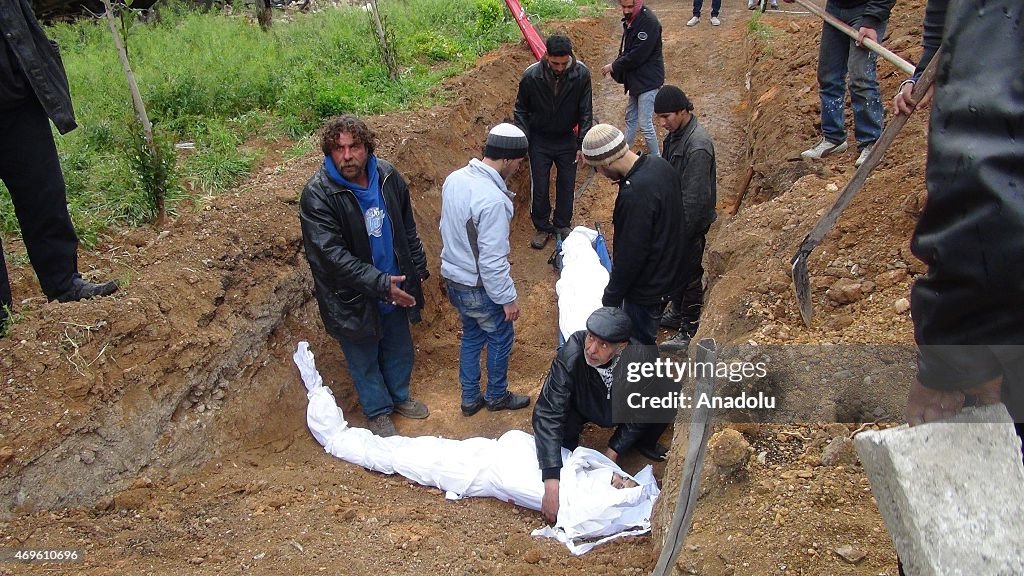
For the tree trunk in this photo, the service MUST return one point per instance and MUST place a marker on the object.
(140, 106)
(263, 14)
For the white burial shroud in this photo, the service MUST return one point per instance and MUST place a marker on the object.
(591, 510)
(582, 281)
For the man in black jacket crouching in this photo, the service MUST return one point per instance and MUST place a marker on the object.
(578, 390)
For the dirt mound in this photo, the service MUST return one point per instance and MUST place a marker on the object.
(163, 429)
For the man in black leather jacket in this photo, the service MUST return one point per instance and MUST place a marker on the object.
(33, 91)
(578, 390)
(555, 96)
(967, 311)
(649, 230)
(367, 263)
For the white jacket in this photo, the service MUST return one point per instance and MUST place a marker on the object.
(476, 214)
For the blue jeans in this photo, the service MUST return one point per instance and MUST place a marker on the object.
(645, 318)
(483, 323)
(837, 56)
(716, 6)
(381, 370)
(644, 107)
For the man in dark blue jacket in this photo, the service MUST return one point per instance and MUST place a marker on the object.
(555, 96)
(33, 91)
(640, 68)
(368, 264)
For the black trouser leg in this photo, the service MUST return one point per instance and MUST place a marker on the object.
(5, 287)
(545, 153)
(30, 169)
(691, 297)
(565, 182)
(540, 176)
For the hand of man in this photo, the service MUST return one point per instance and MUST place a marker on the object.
(400, 297)
(511, 311)
(580, 159)
(901, 102)
(606, 69)
(611, 454)
(549, 504)
(869, 33)
(927, 405)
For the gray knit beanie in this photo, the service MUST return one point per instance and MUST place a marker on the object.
(603, 145)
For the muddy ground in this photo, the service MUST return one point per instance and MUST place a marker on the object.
(162, 430)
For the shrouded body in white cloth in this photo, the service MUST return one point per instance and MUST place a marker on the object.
(582, 281)
(592, 510)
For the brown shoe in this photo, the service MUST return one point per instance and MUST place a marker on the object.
(540, 240)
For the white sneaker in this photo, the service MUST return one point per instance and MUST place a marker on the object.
(693, 21)
(775, 5)
(752, 4)
(824, 149)
(863, 156)
(715, 21)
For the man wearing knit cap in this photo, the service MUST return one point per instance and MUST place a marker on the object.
(368, 266)
(476, 214)
(689, 149)
(650, 231)
(555, 96)
(640, 68)
(579, 389)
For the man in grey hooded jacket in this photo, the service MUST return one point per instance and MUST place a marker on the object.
(476, 214)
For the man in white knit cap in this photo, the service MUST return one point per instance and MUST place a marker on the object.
(476, 216)
(649, 229)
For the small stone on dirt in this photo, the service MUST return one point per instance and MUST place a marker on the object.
(840, 451)
(850, 554)
(845, 291)
(902, 306)
(729, 450)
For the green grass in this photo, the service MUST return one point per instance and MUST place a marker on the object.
(219, 82)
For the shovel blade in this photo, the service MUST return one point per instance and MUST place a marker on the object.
(802, 287)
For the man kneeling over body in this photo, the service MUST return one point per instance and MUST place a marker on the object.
(578, 390)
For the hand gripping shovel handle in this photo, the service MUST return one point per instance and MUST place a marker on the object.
(801, 277)
(868, 43)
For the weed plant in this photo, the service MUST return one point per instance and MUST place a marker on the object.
(218, 82)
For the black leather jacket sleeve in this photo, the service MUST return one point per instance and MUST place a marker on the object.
(416, 253)
(328, 254)
(931, 36)
(549, 414)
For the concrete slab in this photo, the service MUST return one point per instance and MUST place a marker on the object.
(951, 493)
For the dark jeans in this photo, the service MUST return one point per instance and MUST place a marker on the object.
(690, 300)
(645, 318)
(30, 169)
(381, 370)
(483, 323)
(716, 6)
(543, 154)
(838, 55)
